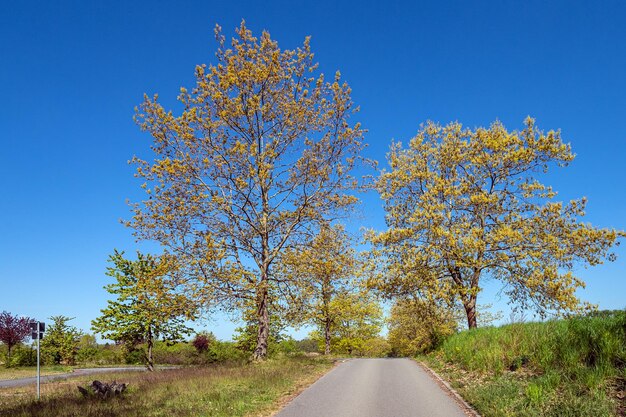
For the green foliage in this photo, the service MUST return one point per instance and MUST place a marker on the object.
(568, 345)
(61, 342)
(222, 351)
(23, 355)
(359, 318)
(246, 336)
(567, 367)
(175, 353)
(87, 349)
(148, 303)
(308, 345)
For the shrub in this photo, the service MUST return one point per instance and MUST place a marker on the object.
(23, 355)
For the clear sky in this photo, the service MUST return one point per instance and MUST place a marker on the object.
(72, 72)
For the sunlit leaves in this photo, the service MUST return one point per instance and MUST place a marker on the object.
(262, 151)
(465, 204)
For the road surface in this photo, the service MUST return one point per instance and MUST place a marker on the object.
(374, 388)
(12, 383)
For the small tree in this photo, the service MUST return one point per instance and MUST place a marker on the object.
(322, 269)
(13, 330)
(358, 318)
(464, 205)
(203, 341)
(61, 341)
(148, 304)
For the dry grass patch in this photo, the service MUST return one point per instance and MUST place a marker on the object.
(31, 371)
(222, 390)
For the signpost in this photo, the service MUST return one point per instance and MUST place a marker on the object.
(37, 329)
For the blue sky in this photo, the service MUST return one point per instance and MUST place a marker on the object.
(72, 72)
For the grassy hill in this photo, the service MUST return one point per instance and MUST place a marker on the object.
(573, 367)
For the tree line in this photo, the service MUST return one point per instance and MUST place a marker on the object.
(251, 180)
(248, 185)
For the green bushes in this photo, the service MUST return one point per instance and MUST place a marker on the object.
(23, 355)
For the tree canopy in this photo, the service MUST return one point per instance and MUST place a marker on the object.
(262, 151)
(463, 205)
(61, 341)
(148, 303)
(13, 330)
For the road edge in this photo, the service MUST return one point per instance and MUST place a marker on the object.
(299, 388)
(467, 408)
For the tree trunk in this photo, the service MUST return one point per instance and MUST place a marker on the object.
(327, 337)
(150, 359)
(470, 310)
(260, 353)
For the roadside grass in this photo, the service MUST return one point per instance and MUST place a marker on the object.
(574, 367)
(31, 371)
(255, 389)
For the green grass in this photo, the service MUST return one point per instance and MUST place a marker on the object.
(221, 390)
(30, 371)
(573, 367)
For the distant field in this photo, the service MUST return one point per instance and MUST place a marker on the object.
(220, 390)
(30, 371)
(574, 367)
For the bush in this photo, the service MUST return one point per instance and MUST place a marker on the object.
(23, 355)
(308, 345)
(175, 354)
(287, 346)
(225, 352)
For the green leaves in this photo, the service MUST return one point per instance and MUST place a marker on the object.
(148, 302)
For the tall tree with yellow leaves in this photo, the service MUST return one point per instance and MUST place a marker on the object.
(464, 205)
(262, 151)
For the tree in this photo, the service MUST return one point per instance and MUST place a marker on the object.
(321, 270)
(203, 341)
(61, 341)
(246, 336)
(13, 330)
(463, 205)
(418, 326)
(148, 304)
(261, 152)
(358, 319)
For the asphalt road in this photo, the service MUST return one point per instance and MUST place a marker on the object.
(374, 388)
(12, 383)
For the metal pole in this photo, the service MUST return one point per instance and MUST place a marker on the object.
(38, 371)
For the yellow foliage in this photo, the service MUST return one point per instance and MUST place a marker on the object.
(261, 153)
(464, 204)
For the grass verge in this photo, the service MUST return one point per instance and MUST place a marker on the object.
(31, 371)
(221, 390)
(572, 367)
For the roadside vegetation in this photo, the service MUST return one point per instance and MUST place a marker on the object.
(572, 367)
(220, 390)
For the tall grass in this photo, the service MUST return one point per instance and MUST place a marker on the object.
(568, 367)
(220, 390)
